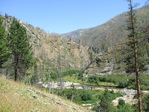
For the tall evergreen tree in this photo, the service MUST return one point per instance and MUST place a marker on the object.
(20, 48)
(4, 52)
(135, 62)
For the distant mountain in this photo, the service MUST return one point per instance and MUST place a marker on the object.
(109, 33)
(55, 34)
(75, 33)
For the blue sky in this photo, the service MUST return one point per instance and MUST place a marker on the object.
(62, 16)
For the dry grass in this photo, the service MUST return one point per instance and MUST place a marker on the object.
(14, 97)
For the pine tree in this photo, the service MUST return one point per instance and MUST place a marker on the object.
(20, 49)
(4, 52)
(135, 62)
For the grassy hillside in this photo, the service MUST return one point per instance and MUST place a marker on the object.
(16, 97)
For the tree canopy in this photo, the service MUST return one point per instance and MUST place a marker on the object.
(4, 52)
(20, 48)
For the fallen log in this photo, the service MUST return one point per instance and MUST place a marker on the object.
(56, 101)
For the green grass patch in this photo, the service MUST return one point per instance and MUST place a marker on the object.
(72, 78)
(121, 81)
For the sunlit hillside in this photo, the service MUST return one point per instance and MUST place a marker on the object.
(47, 48)
(17, 97)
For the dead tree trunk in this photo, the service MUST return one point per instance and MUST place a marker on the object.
(134, 44)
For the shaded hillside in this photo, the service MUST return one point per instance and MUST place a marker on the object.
(48, 49)
(112, 31)
(17, 97)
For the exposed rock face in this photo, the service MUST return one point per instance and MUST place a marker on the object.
(128, 97)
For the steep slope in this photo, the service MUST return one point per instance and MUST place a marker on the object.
(112, 31)
(17, 97)
(47, 49)
(111, 35)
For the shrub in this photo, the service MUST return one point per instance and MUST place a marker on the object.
(70, 72)
(31, 80)
(103, 79)
(53, 76)
(77, 96)
(145, 103)
(85, 95)
(121, 102)
(93, 79)
(125, 108)
(122, 84)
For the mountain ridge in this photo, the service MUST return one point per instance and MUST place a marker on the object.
(47, 48)
(109, 33)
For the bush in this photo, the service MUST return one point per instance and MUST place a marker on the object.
(144, 87)
(145, 103)
(78, 96)
(93, 79)
(103, 79)
(125, 108)
(70, 72)
(121, 102)
(85, 95)
(53, 76)
(122, 84)
(31, 80)
(106, 99)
